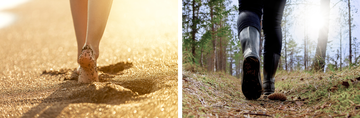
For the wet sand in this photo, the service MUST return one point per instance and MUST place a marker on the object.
(138, 62)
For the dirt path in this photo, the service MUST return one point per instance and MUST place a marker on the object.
(138, 55)
(311, 95)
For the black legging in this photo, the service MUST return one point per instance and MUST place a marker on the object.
(250, 12)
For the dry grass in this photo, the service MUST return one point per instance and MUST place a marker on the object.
(209, 93)
(308, 94)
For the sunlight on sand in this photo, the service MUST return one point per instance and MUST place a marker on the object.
(143, 20)
(7, 18)
(140, 36)
(7, 4)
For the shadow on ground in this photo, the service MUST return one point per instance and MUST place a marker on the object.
(108, 71)
(116, 68)
(111, 92)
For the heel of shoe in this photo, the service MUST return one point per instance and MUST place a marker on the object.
(251, 81)
(271, 61)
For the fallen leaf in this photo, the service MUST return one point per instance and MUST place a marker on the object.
(357, 107)
(320, 78)
(345, 83)
(332, 89)
(317, 99)
(299, 98)
(355, 81)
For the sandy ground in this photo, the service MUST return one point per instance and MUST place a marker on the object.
(138, 57)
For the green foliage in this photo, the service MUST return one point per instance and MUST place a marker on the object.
(206, 31)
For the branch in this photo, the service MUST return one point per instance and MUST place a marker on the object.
(302, 4)
(257, 114)
(335, 4)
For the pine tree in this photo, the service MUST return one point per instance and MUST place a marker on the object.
(319, 59)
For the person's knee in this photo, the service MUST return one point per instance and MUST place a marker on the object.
(248, 18)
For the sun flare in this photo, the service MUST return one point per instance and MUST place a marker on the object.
(313, 20)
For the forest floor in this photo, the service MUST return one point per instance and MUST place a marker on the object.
(331, 94)
(137, 63)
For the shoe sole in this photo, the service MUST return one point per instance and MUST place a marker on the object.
(251, 83)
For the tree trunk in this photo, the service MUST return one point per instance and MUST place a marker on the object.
(224, 56)
(305, 50)
(355, 54)
(286, 64)
(212, 63)
(319, 60)
(220, 57)
(231, 60)
(280, 67)
(340, 49)
(350, 54)
(238, 68)
(193, 32)
(201, 56)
